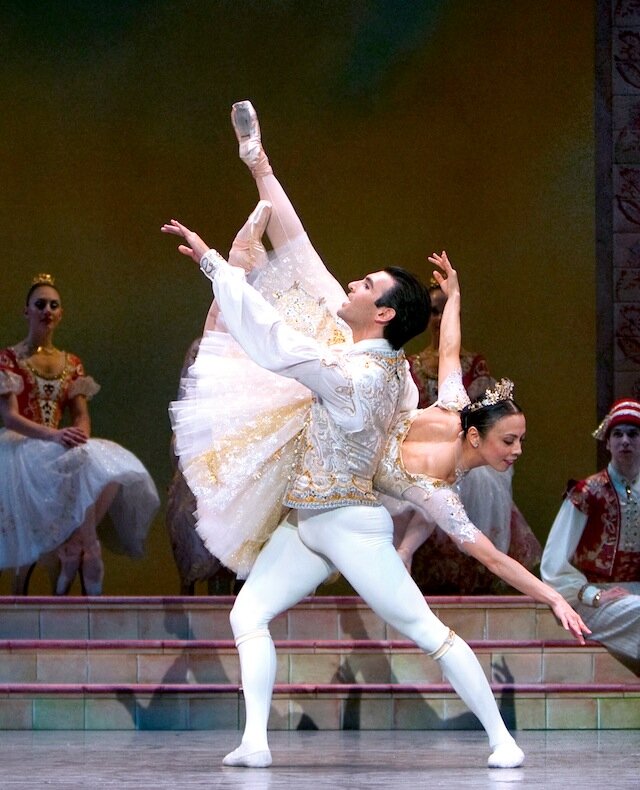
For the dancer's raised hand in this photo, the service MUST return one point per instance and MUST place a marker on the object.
(448, 278)
(194, 248)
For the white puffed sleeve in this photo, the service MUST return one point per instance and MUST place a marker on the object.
(10, 383)
(83, 385)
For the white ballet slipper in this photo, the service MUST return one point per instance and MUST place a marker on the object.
(245, 124)
(506, 755)
(243, 757)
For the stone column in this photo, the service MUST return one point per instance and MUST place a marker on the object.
(618, 150)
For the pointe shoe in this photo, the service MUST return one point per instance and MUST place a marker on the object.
(240, 758)
(245, 124)
(63, 585)
(248, 251)
(506, 755)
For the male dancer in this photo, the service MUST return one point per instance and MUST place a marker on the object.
(336, 522)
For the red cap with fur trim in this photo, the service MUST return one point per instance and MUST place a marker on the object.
(623, 412)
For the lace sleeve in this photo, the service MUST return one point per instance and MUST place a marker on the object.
(452, 394)
(83, 385)
(443, 506)
(10, 383)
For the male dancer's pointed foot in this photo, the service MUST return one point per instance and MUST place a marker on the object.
(245, 124)
(243, 757)
(506, 755)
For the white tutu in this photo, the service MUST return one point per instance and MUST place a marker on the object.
(46, 491)
(236, 424)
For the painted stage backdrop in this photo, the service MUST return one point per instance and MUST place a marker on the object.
(398, 127)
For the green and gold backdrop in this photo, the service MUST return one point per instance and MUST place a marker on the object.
(397, 127)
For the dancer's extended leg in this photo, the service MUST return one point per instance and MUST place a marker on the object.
(284, 573)
(247, 252)
(358, 540)
(284, 225)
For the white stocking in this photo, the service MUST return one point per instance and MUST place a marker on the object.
(258, 663)
(462, 669)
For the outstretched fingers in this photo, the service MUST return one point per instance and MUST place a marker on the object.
(176, 228)
(194, 248)
(447, 279)
(572, 622)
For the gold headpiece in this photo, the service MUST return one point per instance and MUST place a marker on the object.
(503, 390)
(43, 279)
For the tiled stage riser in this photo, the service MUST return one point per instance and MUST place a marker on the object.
(208, 618)
(133, 660)
(306, 665)
(370, 712)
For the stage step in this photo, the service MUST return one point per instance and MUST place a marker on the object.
(321, 617)
(113, 663)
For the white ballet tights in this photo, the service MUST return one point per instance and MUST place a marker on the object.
(357, 541)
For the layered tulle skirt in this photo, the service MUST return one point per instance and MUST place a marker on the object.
(47, 491)
(237, 424)
(235, 435)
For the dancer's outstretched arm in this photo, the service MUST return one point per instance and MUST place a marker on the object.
(443, 507)
(265, 336)
(510, 571)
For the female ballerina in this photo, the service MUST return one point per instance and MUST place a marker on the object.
(56, 483)
(459, 664)
(485, 493)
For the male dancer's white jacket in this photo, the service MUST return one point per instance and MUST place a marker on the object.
(358, 390)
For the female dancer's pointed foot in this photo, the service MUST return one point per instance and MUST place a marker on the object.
(245, 124)
(259, 219)
(243, 757)
(506, 755)
(248, 251)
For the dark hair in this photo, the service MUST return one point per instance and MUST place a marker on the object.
(39, 285)
(485, 417)
(412, 303)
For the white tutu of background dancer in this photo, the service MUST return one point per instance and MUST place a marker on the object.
(56, 483)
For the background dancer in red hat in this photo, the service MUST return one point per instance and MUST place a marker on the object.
(592, 555)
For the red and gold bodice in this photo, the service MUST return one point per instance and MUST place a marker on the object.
(41, 398)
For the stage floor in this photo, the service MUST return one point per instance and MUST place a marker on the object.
(555, 760)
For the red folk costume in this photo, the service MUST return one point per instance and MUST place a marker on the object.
(598, 554)
(594, 547)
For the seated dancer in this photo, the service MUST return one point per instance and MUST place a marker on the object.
(335, 524)
(592, 555)
(56, 483)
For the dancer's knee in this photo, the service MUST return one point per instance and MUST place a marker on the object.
(247, 619)
(444, 648)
